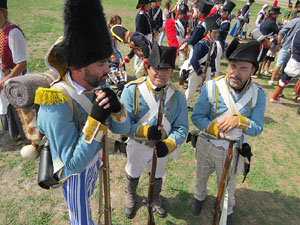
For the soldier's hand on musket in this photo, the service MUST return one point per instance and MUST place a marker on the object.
(228, 124)
(154, 133)
(108, 99)
(203, 76)
(161, 149)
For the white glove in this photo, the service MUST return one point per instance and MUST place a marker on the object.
(232, 135)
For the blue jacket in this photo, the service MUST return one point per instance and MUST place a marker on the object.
(137, 107)
(224, 29)
(201, 50)
(74, 137)
(197, 34)
(143, 23)
(251, 118)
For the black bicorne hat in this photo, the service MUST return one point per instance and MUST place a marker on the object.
(86, 36)
(248, 52)
(119, 32)
(251, 1)
(162, 57)
(143, 2)
(3, 4)
(213, 22)
(182, 8)
(229, 6)
(206, 6)
(274, 10)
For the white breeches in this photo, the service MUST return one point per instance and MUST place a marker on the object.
(139, 157)
(218, 58)
(138, 67)
(194, 82)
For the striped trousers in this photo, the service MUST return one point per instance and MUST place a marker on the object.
(209, 159)
(77, 192)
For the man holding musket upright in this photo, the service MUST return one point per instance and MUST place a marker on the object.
(227, 109)
(141, 98)
(71, 116)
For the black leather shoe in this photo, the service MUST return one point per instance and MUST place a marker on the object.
(196, 206)
(230, 219)
(129, 212)
(161, 212)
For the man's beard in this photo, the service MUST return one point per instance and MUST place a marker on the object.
(94, 81)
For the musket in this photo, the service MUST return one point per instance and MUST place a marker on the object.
(106, 183)
(222, 184)
(154, 160)
(211, 43)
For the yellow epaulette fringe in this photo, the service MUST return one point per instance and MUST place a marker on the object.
(47, 96)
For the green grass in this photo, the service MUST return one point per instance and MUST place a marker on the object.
(270, 195)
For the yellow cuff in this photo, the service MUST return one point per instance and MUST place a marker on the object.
(170, 143)
(145, 59)
(243, 122)
(213, 130)
(121, 117)
(93, 130)
(142, 133)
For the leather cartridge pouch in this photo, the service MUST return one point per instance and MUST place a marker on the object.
(46, 178)
(192, 137)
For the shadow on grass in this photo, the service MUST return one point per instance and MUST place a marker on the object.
(252, 208)
(269, 120)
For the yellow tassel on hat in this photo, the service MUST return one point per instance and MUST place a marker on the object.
(47, 96)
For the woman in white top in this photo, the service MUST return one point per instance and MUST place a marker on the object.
(166, 15)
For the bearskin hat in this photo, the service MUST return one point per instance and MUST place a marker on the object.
(86, 37)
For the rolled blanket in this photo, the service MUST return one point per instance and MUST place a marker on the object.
(20, 91)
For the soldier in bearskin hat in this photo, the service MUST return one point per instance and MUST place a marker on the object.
(228, 109)
(140, 98)
(73, 123)
(140, 47)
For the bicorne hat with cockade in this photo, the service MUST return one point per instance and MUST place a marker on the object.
(206, 6)
(274, 10)
(141, 3)
(213, 22)
(86, 36)
(162, 57)
(3, 4)
(119, 32)
(229, 6)
(247, 52)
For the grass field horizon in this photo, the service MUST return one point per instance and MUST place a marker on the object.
(269, 196)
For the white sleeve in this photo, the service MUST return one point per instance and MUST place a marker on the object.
(17, 45)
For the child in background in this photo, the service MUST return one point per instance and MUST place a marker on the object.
(117, 73)
(270, 57)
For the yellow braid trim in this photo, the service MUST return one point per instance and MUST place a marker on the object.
(47, 96)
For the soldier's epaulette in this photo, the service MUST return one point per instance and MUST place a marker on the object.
(140, 80)
(48, 96)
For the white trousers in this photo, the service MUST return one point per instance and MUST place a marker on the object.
(138, 67)
(209, 159)
(218, 58)
(139, 156)
(194, 81)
